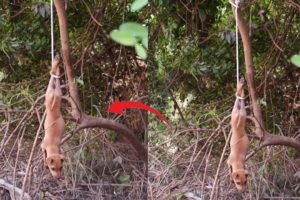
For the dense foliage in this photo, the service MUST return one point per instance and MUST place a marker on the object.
(194, 53)
(101, 70)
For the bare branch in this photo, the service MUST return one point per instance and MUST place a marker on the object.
(92, 122)
(64, 38)
(249, 70)
(14, 190)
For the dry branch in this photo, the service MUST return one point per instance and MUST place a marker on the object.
(91, 122)
(266, 137)
(31, 155)
(64, 38)
(15, 192)
(86, 121)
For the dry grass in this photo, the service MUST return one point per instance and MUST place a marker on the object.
(91, 171)
(188, 164)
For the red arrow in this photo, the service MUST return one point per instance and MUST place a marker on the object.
(117, 107)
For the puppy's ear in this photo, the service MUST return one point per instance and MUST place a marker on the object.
(246, 173)
(230, 167)
(49, 160)
(62, 158)
(233, 176)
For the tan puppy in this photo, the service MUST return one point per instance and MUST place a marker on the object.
(54, 123)
(239, 142)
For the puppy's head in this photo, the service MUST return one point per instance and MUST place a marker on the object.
(240, 179)
(55, 162)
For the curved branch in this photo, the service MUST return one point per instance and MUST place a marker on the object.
(280, 140)
(269, 139)
(266, 137)
(92, 122)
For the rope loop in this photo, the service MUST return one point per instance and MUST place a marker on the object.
(54, 76)
(240, 98)
(236, 4)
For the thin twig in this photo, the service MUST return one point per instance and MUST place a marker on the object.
(31, 154)
(219, 166)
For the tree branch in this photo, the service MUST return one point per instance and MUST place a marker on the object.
(266, 137)
(250, 72)
(64, 38)
(92, 122)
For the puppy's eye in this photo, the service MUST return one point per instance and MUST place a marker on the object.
(60, 168)
(53, 169)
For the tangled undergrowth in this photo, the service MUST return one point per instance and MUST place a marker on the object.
(190, 162)
(99, 164)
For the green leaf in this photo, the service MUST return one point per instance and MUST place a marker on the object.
(262, 170)
(292, 152)
(2, 76)
(77, 155)
(111, 136)
(178, 196)
(138, 4)
(141, 51)
(202, 15)
(80, 81)
(134, 29)
(123, 38)
(145, 42)
(124, 178)
(295, 59)
(262, 102)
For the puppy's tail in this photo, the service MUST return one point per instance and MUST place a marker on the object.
(238, 121)
(240, 88)
(55, 67)
(55, 72)
(54, 99)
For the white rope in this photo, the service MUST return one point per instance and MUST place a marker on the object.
(238, 97)
(237, 2)
(52, 32)
(236, 5)
(54, 76)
